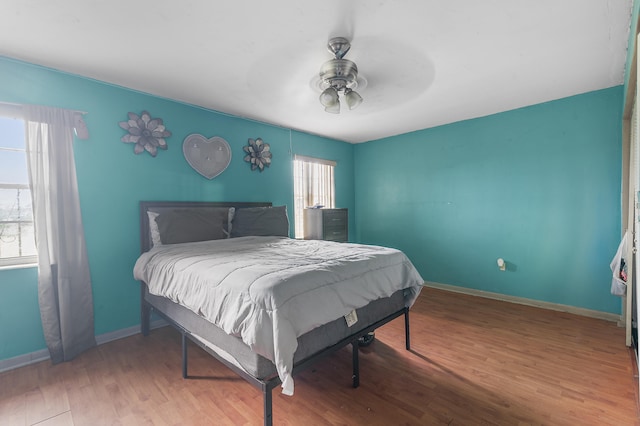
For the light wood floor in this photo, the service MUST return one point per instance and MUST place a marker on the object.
(473, 362)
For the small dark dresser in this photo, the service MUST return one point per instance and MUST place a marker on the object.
(326, 224)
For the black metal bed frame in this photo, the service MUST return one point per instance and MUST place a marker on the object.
(266, 385)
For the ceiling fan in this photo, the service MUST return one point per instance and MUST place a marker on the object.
(339, 76)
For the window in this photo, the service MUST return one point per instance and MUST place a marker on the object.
(313, 184)
(17, 242)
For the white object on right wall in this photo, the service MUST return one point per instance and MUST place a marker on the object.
(502, 264)
(619, 270)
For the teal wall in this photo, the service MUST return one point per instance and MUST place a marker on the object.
(20, 326)
(537, 186)
(112, 180)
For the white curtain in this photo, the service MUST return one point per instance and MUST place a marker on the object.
(313, 183)
(64, 281)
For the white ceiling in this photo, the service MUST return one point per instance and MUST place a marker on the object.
(427, 62)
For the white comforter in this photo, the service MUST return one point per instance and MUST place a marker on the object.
(270, 290)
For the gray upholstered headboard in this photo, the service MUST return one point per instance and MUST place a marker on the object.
(160, 206)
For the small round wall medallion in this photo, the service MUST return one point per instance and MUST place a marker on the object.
(146, 133)
(258, 154)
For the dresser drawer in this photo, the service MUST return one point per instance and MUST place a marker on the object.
(335, 235)
(326, 224)
(334, 218)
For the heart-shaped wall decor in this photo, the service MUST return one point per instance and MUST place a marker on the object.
(209, 157)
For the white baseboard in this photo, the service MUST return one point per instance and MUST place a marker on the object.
(22, 360)
(126, 332)
(43, 354)
(529, 302)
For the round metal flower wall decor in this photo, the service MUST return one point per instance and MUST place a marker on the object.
(258, 154)
(145, 132)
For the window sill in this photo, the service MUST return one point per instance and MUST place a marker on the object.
(20, 266)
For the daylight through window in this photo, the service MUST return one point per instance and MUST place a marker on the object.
(17, 243)
(313, 184)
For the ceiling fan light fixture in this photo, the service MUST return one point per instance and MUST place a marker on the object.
(329, 97)
(337, 76)
(353, 98)
(333, 109)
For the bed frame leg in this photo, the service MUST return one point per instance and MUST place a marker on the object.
(145, 316)
(356, 364)
(268, 407)
(184, 356)
(407, 339)
(145, 319)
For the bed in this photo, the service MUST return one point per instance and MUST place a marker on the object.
(228, 278)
